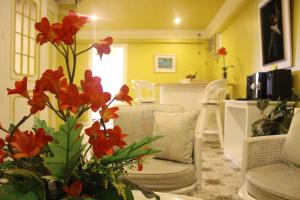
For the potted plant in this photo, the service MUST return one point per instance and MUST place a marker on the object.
(47, 163)
(277, 121)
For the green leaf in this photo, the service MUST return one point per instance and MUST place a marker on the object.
(66, 152)
(9, 192)
(132, 151)
(262, 104)
(30, 186)
(42, 124)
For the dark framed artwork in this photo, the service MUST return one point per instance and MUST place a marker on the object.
(275, 33)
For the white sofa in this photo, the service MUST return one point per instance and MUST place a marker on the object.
(161, 174)
(271, 165)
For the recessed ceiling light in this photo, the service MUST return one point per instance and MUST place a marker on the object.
(93, 17)
(177, 20)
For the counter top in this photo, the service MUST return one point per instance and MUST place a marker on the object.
(186, 83)
(253, 102)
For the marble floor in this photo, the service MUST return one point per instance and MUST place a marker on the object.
(221, 179)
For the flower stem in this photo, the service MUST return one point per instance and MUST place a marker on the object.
(74, 60)
(56, 111)
(81, 52)
(14, 130)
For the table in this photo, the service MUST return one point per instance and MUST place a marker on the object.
(239, 117)
(187, 95)
(163, 196)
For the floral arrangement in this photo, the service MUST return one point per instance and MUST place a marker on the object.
(46, 164)
(223, 52)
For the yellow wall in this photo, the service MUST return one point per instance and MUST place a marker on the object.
(190, 57)
(241, 37)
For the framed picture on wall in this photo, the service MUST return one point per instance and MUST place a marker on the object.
(275, 33)
(165, 63)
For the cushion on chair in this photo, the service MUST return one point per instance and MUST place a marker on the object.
(291, 149)
(163, 175)
(178, 131)
(137, 120)
(274, 182)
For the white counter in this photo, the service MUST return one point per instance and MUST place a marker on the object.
(184, 94)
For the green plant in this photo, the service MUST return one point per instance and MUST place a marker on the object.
(277, 121)
(51, 164)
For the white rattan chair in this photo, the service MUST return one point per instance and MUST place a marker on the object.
(144, 91)
(160, 175)
(213, 97)
(265, 174)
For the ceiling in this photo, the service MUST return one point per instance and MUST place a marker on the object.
(146, 14)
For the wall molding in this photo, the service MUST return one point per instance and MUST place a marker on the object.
(142, 34)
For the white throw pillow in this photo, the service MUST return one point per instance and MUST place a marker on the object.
(137, 120)
(291, 149)
(178, 131)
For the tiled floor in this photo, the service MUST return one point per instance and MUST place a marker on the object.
(220, 178)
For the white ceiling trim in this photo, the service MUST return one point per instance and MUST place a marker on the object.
(227, 10)
(143, 34)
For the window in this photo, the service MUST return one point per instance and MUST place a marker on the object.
(111, 70)
(25, 53)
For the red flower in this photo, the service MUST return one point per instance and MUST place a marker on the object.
(116, 136)
(140, 163)
(123, 95)
(108, 113)
(94, 131)
(51, 81)
(98, 99)
(222, 52)
(46, 32)
(28, 144)
(71, 99)
(103, 47)
(38, 102)
(72, 22)
(3, 154)
(21, 88)
(90, 83)
(102, 146)
(74, 189)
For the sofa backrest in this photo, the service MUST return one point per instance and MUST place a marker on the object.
(137, 120)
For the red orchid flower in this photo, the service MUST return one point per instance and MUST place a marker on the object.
(116, 136)
(94, 131)
(91, 84)
(98, 99)
(108, 113)
(28, 144)
(72, 22)
(3, 154)
(103, 47)
(38, 102)
(123, 95)
(140, 163)
(222, 51)
(51, 81)
(74, 189)
(62, 34)
(46, 33)
(21, 88)
(102, 146)
(71, 99)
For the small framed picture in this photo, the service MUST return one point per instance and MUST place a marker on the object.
(275, 33)
(165, 63)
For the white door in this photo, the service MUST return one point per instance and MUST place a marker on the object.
(19, 56)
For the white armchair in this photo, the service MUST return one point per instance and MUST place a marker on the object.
(168, 173)
(271, 165)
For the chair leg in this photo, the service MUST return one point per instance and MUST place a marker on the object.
(202, 120)
(220, 127)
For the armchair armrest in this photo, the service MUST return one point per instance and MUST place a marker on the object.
(260, 151)
(198, 159)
